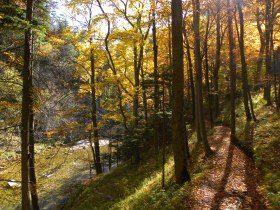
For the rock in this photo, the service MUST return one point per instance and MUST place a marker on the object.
(47, 175)
(14, 184)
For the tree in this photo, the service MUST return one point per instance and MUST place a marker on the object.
(232, 67)
(26, 106)
(156, 85)
(245, 86)
(190, 69)
(262, 46)
(217, 60)
(207, 83)
(178, 125)
(93, 97)
(200, 129)
(268, 32)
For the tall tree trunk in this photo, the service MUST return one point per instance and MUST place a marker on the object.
(98, 166)
(268, 29)
(217, 61)
(156, 82)
(32, 174)
(178, 126)
(96, 153)
(245, 86)
(190, 72)
(170, 62)
(136, 87)
(262, 48)
(232, 67)
(144, 95)
(207, 70)
(26, 107)
(198, 79)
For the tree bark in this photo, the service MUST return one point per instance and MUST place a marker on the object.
(98, 166)
(262, 48)
(33, 181)
(209, 96)
(268, 29)
(232, 67)
(190, 73)
(96, 153)
(26, 108)
(136, 87)
(245, 86)
(198, 79)
(144, 95)
(178, 125)
(217, 61)
(170, 62)
(156, 85)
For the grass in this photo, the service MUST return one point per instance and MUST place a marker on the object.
(139, 187)
(263, 139)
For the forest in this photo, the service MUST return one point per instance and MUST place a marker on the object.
(140, 104)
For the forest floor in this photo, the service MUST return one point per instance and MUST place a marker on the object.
(227, 180)
(233, 181)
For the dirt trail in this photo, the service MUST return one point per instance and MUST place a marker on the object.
(233, 182)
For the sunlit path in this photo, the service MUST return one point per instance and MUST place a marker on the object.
(233, 182)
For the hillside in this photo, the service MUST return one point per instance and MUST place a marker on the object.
(228, 179)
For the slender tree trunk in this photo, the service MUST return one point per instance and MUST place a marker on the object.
(207, 71)
(32, 174)
(26, 108)
(262, 48)
(136, 87)
(232, 66)
(198, 79)
(217, 61)
(170, 62)
(178, 125)
(156, 85)
(144, 95)
(98, 166)
(267, 89)
(96, 153)
(245, 86)
(163, 136)
(92, 150)
(190, 72)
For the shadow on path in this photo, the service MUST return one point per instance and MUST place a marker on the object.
(232, 182)
(222, 186)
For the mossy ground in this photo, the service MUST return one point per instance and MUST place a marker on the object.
(131, 187)
(140, 187)
(263, 140)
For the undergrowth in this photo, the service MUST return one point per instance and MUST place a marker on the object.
(139, 187)
(263, 139)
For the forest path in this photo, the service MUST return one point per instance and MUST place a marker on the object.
(233, 181)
